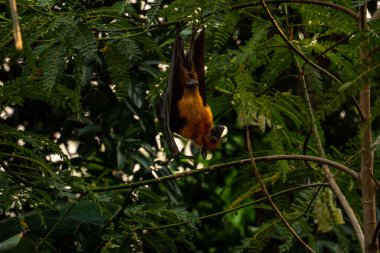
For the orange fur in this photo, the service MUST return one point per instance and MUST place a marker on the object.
(199, 119)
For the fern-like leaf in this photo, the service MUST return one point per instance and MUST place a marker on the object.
(262, 236)
(84, 41)
(153, 11)
(53, 65)
(226, 28)
(279, 62)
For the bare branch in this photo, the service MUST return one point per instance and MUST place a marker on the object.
(225, 166)
(266, 193)
(329, 176)
(16, 25)
(338, 7)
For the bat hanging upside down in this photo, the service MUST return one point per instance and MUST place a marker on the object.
(183, 107)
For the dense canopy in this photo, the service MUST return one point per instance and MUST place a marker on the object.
(83, 164)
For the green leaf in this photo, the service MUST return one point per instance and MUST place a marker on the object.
(261, 122)
(46, 3)
(375, 143)
(345, 86)
(53, 66)
(11, 242)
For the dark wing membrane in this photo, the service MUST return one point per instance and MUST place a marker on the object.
(195, 55)
(174, 85)
(199, 47)
(167, 110)
(163, 113)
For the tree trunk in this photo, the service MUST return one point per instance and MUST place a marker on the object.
(368, 185)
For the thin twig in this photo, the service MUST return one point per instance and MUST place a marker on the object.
(294, 48)
(59, 221)
(329, 176)
(338, 7)
(334, 45)
(357, 106)
(234, 209)
(305, 144)
(22, 180)
(330, 48)
(266, 193)
(125, 204)
(311, 201)
(128, 35)
(304, 148)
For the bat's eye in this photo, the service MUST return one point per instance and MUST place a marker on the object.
(192, 83)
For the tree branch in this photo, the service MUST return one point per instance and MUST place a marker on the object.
(228, 165)
(329, 176)
(368, 185)
(16, 25)
(343, 9)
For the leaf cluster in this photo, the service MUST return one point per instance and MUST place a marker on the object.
(77, 117)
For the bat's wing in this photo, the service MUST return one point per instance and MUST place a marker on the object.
(164, 118)
(195, 55)
(165, 111)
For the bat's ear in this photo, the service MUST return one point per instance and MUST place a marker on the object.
(182, 69)
(193, 70)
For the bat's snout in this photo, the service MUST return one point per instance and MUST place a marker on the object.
(192, 83)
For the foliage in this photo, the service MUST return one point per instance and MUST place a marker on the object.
(77, 119)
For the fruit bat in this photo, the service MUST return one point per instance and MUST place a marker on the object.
(183, 107)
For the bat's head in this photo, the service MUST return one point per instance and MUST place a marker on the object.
(189, 78)
(216, 133)
(213, 139)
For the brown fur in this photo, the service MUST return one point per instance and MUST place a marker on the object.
(199, 119)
